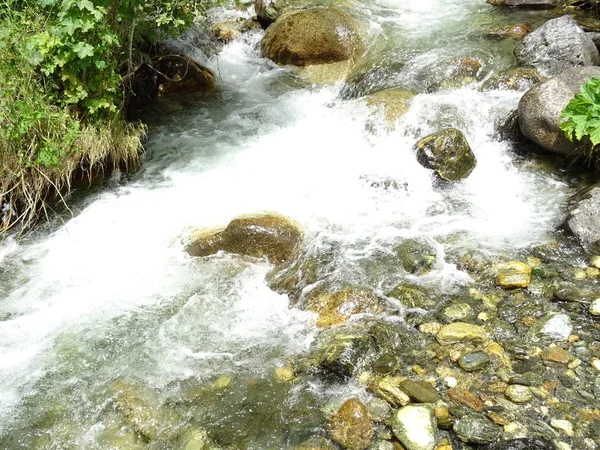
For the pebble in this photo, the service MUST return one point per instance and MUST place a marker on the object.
(284, 374)
(476, 430)
(556, 327)
(474, 361)
(596, 364)
(420, 392)
(466, 398)
(513, 275)
(461, 332)
(430, 327)
(351, 426)
(595, 262)
(458, 311)
(595, 307)
(415, 427)
(557, 355)
(518, 393)
(452, 382)
(562, 425)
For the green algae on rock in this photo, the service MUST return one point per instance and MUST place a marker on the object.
(448, 153)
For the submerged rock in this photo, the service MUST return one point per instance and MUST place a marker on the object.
(195, 439)
(521, 444)
(556, 46)
(415, 427)
(541, 106)
(518, 393)
(526, 4)
(519, 79)
(584, 220)
(339, 306)
(461, 332)
(417, 256)
(318, 443)
(514, 275)
(395, 102)
(314, 36)
(268, 235)
(351, 426)
(448, 153)
(420, 391)
(476, 430)
(474, 361)
(515, 31)
(555, 327)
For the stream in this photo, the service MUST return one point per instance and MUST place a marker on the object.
(108, 295)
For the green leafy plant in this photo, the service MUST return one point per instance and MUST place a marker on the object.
(581, 116)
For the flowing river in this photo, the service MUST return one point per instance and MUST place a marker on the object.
(108, 295)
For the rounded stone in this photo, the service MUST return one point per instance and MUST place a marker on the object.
(595, 307)
(458, 311)
(476, 430)
(351, 426)
(474, 361)
(514, 275)
(415, 427)
(461, 332)
(518, 393)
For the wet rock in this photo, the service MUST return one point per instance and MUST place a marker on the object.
(521, 444)
(467, 398)
(388, 388)
(314, 36)
(556, 46)
(474, 361)
(515, 31)
(519, 79)
(260, 235)
(325, 74)
(339, 306)
(458, 311)
(540, 108)
(557, 355)
(514, 275)
(379, 410)
(395, 102)
(140, 409)
(180, 74)
(385, 364)
(415, 427)
(555, 327)
(416, 256)
(584, 220)
(461, 332)
(195, 439)
(225, 31)
(444, 420)
(448, 153)
(518, 393)
(526, 4)
(318, 443)
(350, 426)
(476, 430)
(595, 307)
(564, 426)
(458, 72)
(420, 391)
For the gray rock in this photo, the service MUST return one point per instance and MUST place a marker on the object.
(595, 37)
(521, 444)
(474, 361)
(415, 427)
(584, 220)
(540, 108)
(526, 4)
(555, 327)
(420, 391)
(476, 430)
(556, 46)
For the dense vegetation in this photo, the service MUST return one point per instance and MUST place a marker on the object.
(64, 71)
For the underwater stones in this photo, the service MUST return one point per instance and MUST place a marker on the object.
(269, 235)
(474, 361)
(448, 153)
(518, 393)
(415, 427)
(195, 439)
(461, 332)
(521, 444)
(526, 4)
(556, 327)
(339, 306)
(556, 46)
(584, 220)
(394, 102)
(351, 426)
(313, 36)
(595, 307)
(474, 429)
(513, 275)
(410, 295)
(458, 311)
(519, 79)
(467, 398)
(557, 355)
(515, 31)
(379, 409)
(385, 364)
(153, 421)
(388, 388)
(180, 74)
(540, 108)
(419, 391)
(416, 256)
(317, 443)
(226, 31)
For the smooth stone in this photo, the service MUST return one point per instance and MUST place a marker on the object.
(562, 425)
(339, 306)
(417, 256)
(415, 427)
(557, 355)
(514, 275)
(351, 426)
(518, 393)
(385, 364)
(461, 332)
(420, 391)
(458, 311)
(556, 327)
(584, 220)
(474, 361)
(379, 409)
(521, 444)
(448, 153)
(476, 430)
(595, 307)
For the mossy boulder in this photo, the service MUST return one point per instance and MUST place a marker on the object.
(448, 153)
(314, 36)
(351, 426)
(268, 235)
(337, 307)
(417, 256)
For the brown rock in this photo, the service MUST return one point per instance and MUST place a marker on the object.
(338, 307)
(466, 398)
(351, 426)
(557, 355)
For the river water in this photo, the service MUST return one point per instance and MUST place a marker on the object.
(109, 295)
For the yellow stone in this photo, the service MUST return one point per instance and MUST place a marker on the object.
(513, 275)
(461, 332)
(595, 262)
(284, 374)
(222, 382)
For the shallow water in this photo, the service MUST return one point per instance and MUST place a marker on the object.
(110, 295)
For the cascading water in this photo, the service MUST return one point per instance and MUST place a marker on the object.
(111, 295)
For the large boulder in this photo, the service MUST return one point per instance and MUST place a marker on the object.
(313, 36)
(540, 108)
(584, 220)
(267, 235)
(556, 46)
(448, 153)
(528, 4)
